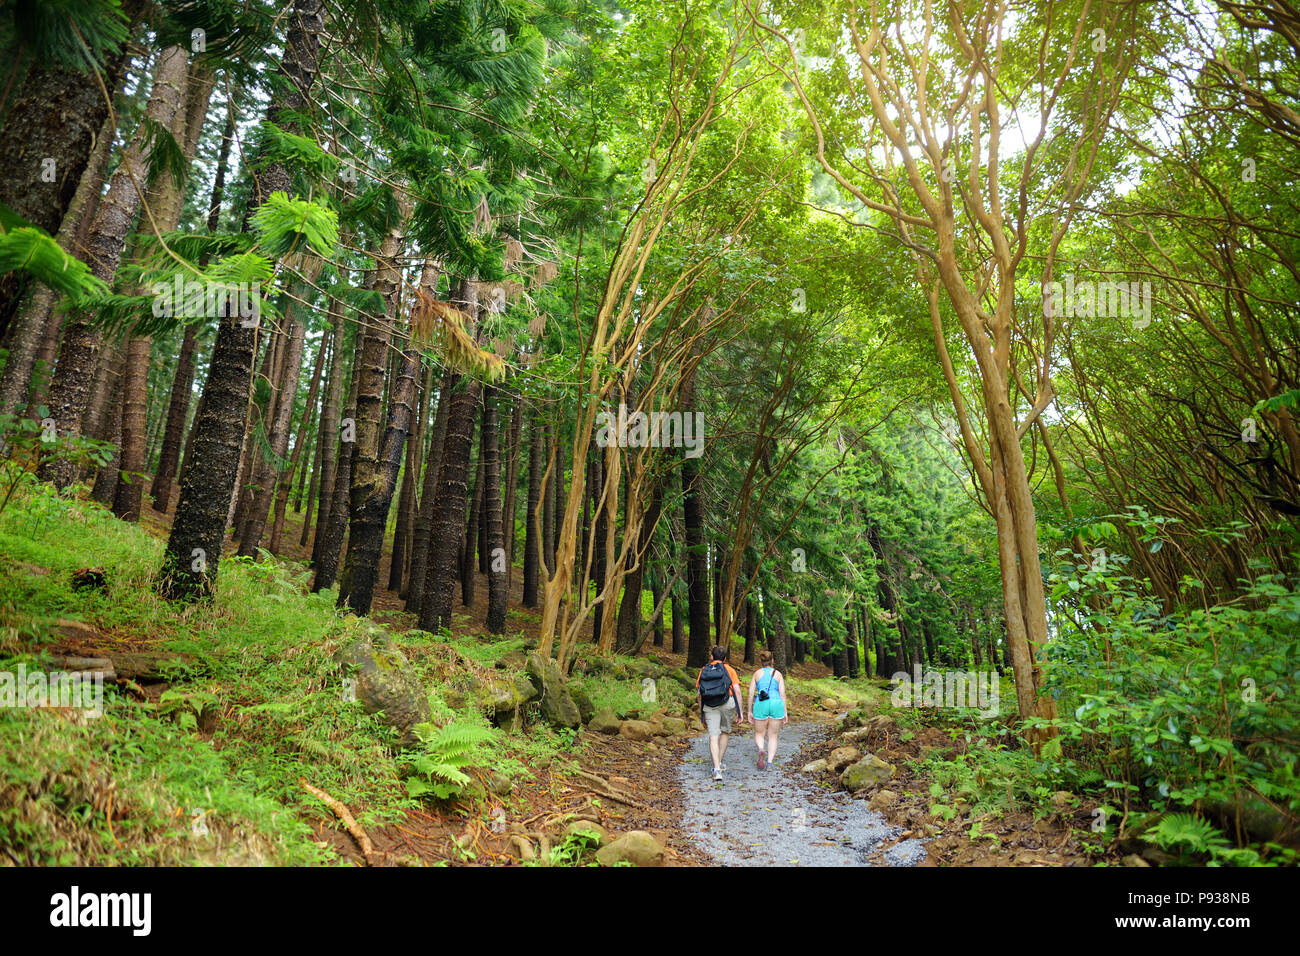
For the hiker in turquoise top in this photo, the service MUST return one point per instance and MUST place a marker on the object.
(767, 708)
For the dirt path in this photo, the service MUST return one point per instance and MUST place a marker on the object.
(776, 817)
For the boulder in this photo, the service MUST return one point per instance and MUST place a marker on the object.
(636, 730)
(882, 800)
(512, 661)
(586, 709)
(683, 677)
(675, 726)
(604, 722)
(817, 766)
(558, 707)
(830, 703)
(645, 667)
(853, 736)
(599, 835)
(385, 684)
(841, 757)
(636, 847)
(882, 724)
(870, 771)
(453, 698)
(608, 666)
(508, 699)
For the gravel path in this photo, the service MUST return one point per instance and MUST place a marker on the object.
(776, 817)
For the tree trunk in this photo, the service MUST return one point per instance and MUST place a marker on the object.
(183, 384)
(134, 399)
(401, 559)
(165, 201)
(780, 637)
(177, 411)
(370, 495)
(532, 533)
(428, 510)
(749, 631)
(600, 518)
(580, 576)
(629, 611)
(57, 114)
(697, 571)
(469, 540)
(512, 484)
(30, 335)
(852, 664)
(269, 469)
(304, 435)
(498, 580)
(328, 441)
(253, 465)
(679, 622)
(110, 428)
(372, 498)
(70, 389)
(657, 595)
(719, 559)
(548, 506)
(194, 548)
(331, 545)
(449, 522)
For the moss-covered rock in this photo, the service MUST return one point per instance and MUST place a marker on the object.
(637, 847)
(870, 771)
(385, 684)
(586, 709)
(636, 729)
(604, 721)
(558, 706)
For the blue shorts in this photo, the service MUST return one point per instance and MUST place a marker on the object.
(773, 707)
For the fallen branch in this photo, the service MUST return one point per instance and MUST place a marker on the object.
(354, 828)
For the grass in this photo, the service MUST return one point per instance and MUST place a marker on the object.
(210, 773)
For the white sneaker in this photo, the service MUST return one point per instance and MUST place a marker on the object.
(717, 775)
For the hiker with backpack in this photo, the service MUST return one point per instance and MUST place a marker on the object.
(719, 690)
(767, 708)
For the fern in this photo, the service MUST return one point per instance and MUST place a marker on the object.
(63, 31)
(296, 152)
(166, 157)
(287, 224)
(1186, 832)
(33, 251)
(444, 755)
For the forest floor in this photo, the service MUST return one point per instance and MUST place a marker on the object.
(222, 713)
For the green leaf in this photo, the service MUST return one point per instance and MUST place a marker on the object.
(33, 251)
(296, 225)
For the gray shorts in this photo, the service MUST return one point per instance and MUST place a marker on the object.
(718, 719)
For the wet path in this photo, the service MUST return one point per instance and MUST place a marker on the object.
(776, 817)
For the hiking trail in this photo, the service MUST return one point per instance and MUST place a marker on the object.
(777, 817)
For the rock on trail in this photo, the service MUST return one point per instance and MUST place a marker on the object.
(776, 817)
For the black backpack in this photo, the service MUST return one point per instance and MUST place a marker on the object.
(715, 684)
